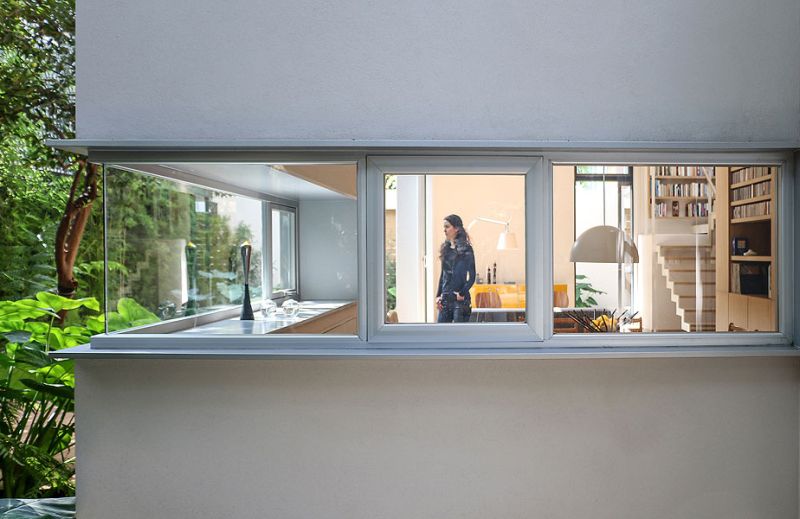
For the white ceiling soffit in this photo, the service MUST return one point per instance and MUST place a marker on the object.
(262, 178)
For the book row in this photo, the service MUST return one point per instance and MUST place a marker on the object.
(749, 173)
(674, 209)
(746, 211)
(684, 171)
(751, 191)
(698, 189)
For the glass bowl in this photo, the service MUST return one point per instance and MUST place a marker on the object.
(290, 308)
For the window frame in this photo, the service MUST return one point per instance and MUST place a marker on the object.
(137, 339)
(540, 342)
(785, 253)
(295, 291)
(462, 334)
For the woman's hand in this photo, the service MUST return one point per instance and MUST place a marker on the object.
(439, 302)
(459, 297)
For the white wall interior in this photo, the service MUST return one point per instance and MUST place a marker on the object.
(451, 69)
(350, 439)
(328, 250)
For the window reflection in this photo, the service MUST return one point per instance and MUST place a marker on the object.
(216, 248)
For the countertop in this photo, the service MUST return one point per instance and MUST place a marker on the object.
(263, 325)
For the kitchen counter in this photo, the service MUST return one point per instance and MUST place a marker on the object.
(313, 317)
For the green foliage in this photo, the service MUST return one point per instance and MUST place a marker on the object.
(37, 392)
(391, 282)
(37, 87)
(37, 65)
(130, 314)
(584, 291)
(151, 222)
(31, 202)
(37, 395)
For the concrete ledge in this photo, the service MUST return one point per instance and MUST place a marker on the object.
(411, 352)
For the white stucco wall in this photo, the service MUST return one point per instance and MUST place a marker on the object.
(683, 70)
(353, 439)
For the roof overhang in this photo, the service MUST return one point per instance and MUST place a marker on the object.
(88, 146)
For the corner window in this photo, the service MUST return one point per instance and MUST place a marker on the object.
(209, 249)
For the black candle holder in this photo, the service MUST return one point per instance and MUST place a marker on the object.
(247, 309)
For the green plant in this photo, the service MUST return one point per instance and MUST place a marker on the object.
(37, 392)
(37, 395)
(129, 314)
(391, 282)
(584, 291)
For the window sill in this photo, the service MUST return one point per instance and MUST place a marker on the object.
(414, 352)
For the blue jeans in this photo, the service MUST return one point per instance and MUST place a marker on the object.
(454, 311)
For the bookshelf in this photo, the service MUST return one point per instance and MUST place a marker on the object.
(750, 208)
(681, 193)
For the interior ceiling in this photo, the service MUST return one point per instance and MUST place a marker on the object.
(266, 178)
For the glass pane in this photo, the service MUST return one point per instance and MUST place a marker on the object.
(455, 248)
(174, 248)
(664, 248)
(283, 251)
(186, 258)
(596, 209)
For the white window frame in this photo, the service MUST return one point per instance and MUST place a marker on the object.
(785, 253)
(461, 334)
(295, 291)
(537, 340)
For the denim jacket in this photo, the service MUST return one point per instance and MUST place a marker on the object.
(458, 270)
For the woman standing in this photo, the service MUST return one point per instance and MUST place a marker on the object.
(458, 273)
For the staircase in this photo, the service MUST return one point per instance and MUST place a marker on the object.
(690, 274)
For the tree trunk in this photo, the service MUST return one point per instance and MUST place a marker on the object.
(73, 223)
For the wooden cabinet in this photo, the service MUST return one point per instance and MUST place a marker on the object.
(341, 321)
(760, 314)
(751, 313)
(737, 311)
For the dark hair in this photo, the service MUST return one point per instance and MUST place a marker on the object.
(462, 240)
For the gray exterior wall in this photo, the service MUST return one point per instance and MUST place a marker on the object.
(607, 439)
(351, 439)
(685, 70)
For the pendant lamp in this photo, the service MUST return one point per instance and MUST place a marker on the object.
(603, 244)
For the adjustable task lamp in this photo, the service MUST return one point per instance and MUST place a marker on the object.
(507, 239)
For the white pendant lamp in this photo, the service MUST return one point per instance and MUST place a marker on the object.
(603, 244)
